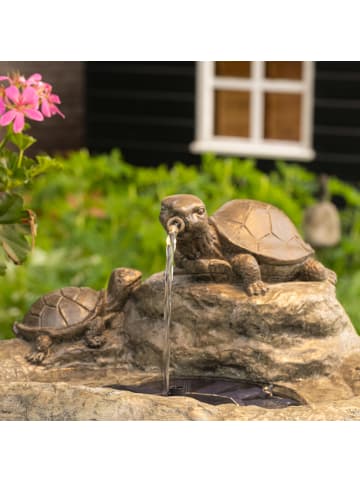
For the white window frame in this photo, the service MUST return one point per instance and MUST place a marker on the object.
(255, 145)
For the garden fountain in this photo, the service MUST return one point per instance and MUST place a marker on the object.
(255, 324)
(207, 389)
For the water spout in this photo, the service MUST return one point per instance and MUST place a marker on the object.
(175, 224)
(173, 231)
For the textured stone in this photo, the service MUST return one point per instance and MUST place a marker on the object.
(70, 401)
(29, 392)
(294, 331)
(296, 336)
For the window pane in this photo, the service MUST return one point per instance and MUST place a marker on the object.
(284, 70)
(233, 69)
(232, 110)
(282, 116)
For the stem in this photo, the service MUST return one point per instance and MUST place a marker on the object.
(21, 155)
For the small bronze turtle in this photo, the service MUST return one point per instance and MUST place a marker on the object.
(73, 312)
(245, 239)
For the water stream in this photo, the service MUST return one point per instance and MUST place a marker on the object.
(169, 276)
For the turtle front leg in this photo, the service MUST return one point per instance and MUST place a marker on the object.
(218, 270)
(41, 350)
(313, 270)
(94, 335)
(246, 266)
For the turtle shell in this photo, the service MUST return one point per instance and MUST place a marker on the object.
(60, 310)
(261, 229)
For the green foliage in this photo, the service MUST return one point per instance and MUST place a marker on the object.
(21, 141)
(11, 207)
(99, 212)
(13, 230)
(17, 171)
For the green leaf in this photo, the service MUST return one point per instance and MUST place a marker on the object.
(43, 164)
(11, 208)
(8, 159)
(21, 141)
(14, 243)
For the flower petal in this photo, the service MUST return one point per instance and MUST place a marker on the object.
(3, 77)
(55, 99)
(34, 79)
(30, 96)
(7, 117)
(19, 122)
(47, 87)
(13, 94)
(54, 110)
(34, 114)
(2, 107)
(45, 108)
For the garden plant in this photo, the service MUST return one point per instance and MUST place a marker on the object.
(20, 99)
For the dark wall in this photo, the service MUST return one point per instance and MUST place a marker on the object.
(148, 110)
(337, 117)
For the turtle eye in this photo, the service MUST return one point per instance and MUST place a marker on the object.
(201, 211)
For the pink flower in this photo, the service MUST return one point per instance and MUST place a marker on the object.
(48, 101)
(34, 79)
(25, 104)
(20, 81)
(29, 97)
(15, 79)
(48, 107)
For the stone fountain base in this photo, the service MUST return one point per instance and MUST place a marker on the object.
(297, 337)
(39, 393)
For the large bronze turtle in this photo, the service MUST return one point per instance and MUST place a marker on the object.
(73, 312)
(245, 239)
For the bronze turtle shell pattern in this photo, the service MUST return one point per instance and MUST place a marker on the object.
(261, 229)
(63, 308)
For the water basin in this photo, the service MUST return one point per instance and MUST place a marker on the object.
(216, 391)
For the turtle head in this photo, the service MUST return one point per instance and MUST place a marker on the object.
(183, 213)
(122, 282)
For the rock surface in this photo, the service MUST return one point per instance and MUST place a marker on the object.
(297, 336)
(296, 330)
(72, 400)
